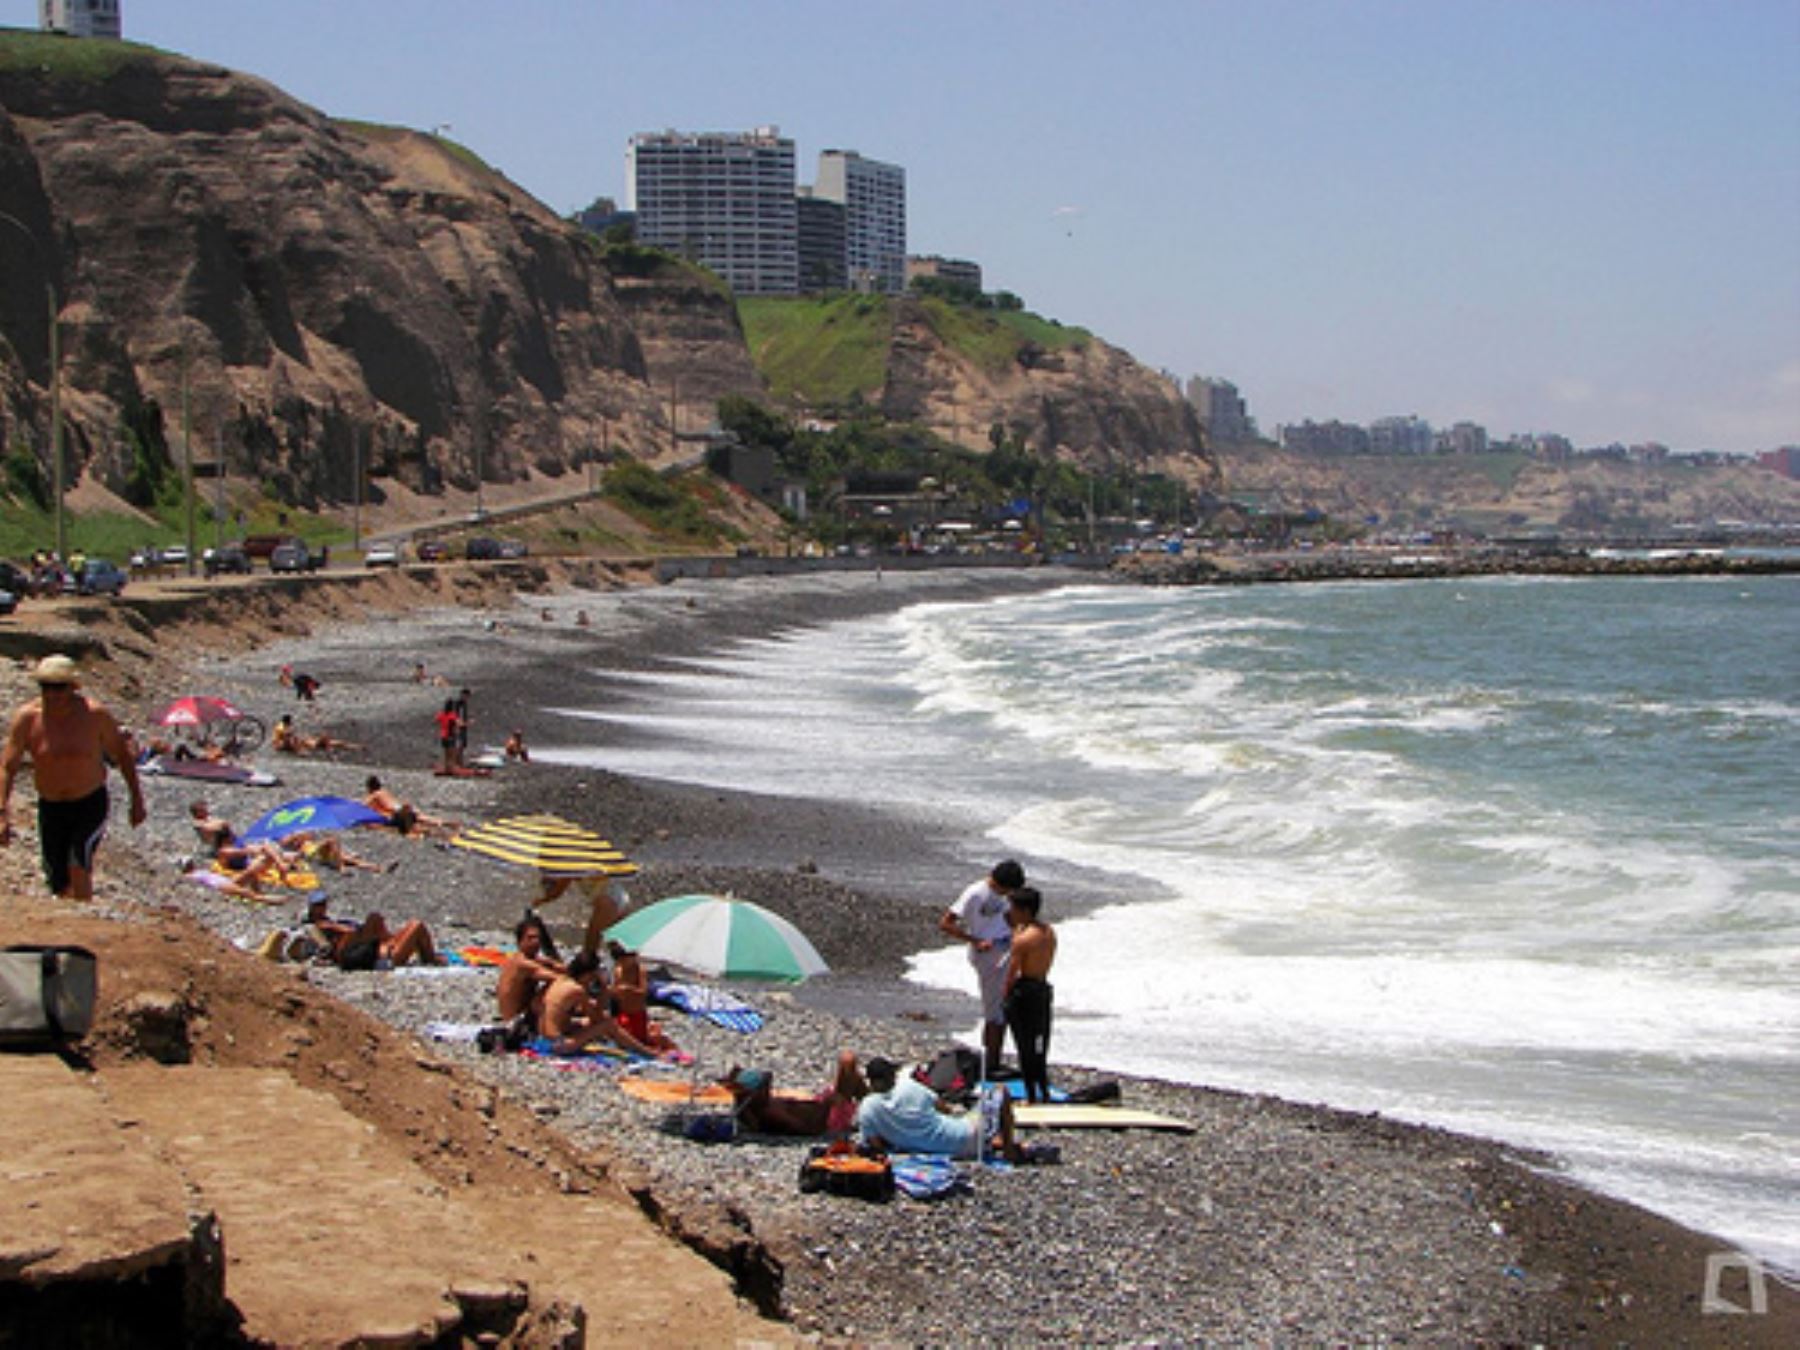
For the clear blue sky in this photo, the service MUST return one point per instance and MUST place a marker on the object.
(1569, 215)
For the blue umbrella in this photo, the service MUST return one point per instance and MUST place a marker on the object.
(311, 813)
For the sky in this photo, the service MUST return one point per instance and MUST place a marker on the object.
(1579, 216)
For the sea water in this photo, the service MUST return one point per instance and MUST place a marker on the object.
(1511, 856)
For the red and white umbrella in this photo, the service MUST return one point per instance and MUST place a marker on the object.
(197, 710)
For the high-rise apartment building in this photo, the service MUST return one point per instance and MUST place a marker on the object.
(81, 18)
(874, 198)
(823, 265)
(723, 199)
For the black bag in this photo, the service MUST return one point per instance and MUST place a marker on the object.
(832, 1170)
(955, 1070)
(1106, 1090)
(47, 995)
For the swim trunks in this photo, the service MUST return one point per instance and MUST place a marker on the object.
(70, 832)
(636, 1025)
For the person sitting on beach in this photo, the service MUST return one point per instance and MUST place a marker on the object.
(528, 972)
(239, 885)
(514, 749)
(574, 1014)
(327, 850)
(903, 1115)
(289, 741)
(219, 842)
(832, 1111)
(157, 747)
(630, 992)
(371, 944)
(402, 816)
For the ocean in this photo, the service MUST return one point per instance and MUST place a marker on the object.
(1513, 856)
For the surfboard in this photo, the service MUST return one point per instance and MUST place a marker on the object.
(1071, 1116)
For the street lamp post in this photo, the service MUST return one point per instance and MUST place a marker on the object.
(53, 311)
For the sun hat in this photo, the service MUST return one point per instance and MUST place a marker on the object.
(57, 669)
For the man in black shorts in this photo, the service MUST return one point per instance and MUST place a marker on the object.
(69, 739)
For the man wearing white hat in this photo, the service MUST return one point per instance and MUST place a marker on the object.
(68, 737)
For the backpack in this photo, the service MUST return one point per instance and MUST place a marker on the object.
(834, 1169)
(953, 1071)
(47, 995)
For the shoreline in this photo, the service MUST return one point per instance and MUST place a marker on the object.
(1396, 1229)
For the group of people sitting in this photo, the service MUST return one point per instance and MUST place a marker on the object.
(576, 1004)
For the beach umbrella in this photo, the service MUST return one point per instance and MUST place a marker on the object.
(311, 813)
(554, 846)
(722, 937)
(197, 710)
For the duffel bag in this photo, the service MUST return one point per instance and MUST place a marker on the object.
(47, 994)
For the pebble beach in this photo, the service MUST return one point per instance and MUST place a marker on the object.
(1272, 1222)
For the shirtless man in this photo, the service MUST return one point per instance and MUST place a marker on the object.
(574, 1017)
(528, 972)
(68, 738)
(403, 816)
(289, 741)
(1028, 991)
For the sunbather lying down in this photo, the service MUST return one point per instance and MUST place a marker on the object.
(831, 1111)
(290, 741)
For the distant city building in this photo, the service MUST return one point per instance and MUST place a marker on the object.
(1340, 438)
(957, 271)
(722, 199)
(874, 199)
(824, 264)
(81, 18)
(1464, 438)
(1546, 445)
(1221, 409)
(1407, 435)
(1785, 461)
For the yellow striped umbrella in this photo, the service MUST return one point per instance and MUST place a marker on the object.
(554, 846)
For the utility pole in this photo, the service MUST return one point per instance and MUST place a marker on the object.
(674, 415)
(187, 449)
(218, 488)
(356, 444)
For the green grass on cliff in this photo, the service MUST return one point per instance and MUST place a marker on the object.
(79, 60)
(825, 350)
(832, 349)
(991, 339)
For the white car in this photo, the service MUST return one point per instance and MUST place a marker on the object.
(382, 555)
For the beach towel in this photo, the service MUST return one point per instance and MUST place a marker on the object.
(588, 1059)
(208, 771)
(481, 956)
(295, 878)
(674, 1091)
(1078, 1117)
(453, 1033)
(927, 1176)
(713, 1005)
(1015, 1088)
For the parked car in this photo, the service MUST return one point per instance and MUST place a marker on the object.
(15, 579)
(230, 558)
(385, 554)
(513, 548)
(99, 577)
(290, 557)
(433, 550)
(481, 547)
(263, 546)
(8, 602)
(175, 555)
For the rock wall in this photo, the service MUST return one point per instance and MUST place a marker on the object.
(320, 290)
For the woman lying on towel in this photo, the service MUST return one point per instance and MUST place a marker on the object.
(831, 1111)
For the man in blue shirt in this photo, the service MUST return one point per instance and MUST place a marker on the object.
(903, 1115)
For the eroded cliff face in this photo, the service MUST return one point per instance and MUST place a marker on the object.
(1086, 402)
(321, 290)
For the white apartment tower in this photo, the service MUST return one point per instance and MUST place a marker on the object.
(722, 199)
(874, 198)
(80, 18)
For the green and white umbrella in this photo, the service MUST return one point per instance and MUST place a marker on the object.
(720, 936)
